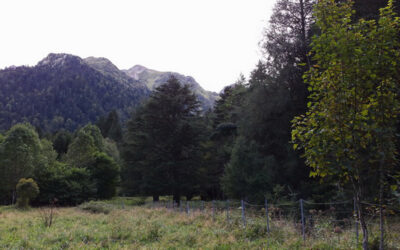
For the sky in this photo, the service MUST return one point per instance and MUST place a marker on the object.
(212, 40)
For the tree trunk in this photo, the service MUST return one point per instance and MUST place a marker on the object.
(177, 198)
(14, 194)
(381, 186)
(363, 226)
(303, 33)
(156, 198)
(189, 197)
(358, 194)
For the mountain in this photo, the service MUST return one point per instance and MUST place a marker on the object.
(152, 79)
(66, 91)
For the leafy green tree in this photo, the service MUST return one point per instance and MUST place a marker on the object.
(19, 154)
(162, 143)
(248, 175)
(81, 150)
(68, 185)
(27, 189)
(111, 149)
(47, 152)
(95, 133)
(61, 142)
(349, 130)
(105, 173)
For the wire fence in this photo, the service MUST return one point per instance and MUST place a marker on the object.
(309, 219)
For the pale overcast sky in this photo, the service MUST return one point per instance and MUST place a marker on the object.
(212, 40)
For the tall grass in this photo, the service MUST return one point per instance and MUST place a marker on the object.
(135, 227)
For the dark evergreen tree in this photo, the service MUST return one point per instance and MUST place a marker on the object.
(248, 175)
(286, 46)
(110, 127)
(162, 146)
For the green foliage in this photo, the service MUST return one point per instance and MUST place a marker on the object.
(111, 149)
(349, 130)
(248, 175)
(61, 142)
(81, 150)
(27, 189)
(220, 130)
(96, 207)
(110, 127)
(95, 133)
(162, 143)
(19, 154)
(105, 173)
(353, 104)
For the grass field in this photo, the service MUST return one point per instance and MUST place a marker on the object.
(138, 227)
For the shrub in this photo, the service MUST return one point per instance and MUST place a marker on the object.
(96, 207)
(27, 189)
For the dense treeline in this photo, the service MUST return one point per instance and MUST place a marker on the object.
(245, 142)
(68, 168)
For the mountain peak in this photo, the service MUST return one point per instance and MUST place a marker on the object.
(59, 59)
(135, 71)
(103, 65)
(153, 79)
(107, 68)
(100, 62)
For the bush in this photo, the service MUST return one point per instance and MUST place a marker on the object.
(96, 207)
(27, 189)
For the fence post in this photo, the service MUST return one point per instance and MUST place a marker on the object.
(243, 214)
(187, 207)
(227, 210)
(302, 220)
(123, 204)
(213, 210)
(266, 214)
(356, 220)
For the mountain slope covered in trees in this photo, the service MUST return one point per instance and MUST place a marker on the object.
(66, 91)
(63, 91)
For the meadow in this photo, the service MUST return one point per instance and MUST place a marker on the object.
(113, 226)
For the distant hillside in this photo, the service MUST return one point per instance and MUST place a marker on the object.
(65, 91)
(153, 79)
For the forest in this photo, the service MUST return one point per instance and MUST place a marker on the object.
(317, 119)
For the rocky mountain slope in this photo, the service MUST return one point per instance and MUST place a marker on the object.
(152, 79)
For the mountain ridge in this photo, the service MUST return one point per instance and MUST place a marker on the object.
(153, 79)
(66, 91)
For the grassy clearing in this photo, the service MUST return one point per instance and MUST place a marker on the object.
(145, 228)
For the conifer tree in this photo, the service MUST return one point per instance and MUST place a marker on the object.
(161, 151)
